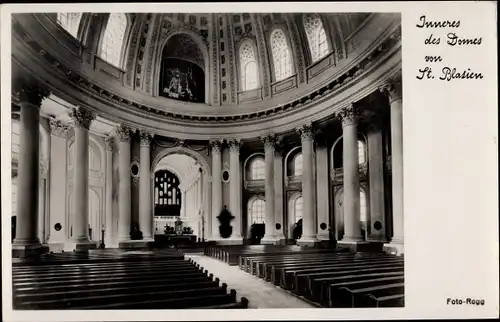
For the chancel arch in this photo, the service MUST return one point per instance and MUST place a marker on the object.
(182, 69)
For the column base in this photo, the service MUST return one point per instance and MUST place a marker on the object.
(395, 247)
(25, 249)
(80, 245)
(359, 245)
(307, 242)
(323, 237)
(136, 244)
(269, 241)
(56, 246)
(227, 241)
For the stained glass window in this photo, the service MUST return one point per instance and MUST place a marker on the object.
(297, 165)
(361, 152)
(298, 209)
(113, 39)
(70, 21)
(257, 169)
(248, 67)
(316, 36)
(257, 211)
(281, 55)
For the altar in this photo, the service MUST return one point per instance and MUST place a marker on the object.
(174, 233)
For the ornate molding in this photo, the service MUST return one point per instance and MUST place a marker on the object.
(348, 115)
(306, 132)
(110, 142)
(58, 128)
(145, 138)
(269, 140)
(234, 145)
(393, 89)
(216, 145)
(124, 133)
(82, 117)
(26, 91)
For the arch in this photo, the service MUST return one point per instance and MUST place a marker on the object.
(318, 41)
(251, 204)
(280, 45)
(93, 142)
(361, 137)
(70, 21)
(291, 211)
(250, 159)
(257, 169)
(290, 153)
(158, 55)
(95, 214)
(338, 213)
(249, 45)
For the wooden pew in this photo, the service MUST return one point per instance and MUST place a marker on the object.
(358, 295)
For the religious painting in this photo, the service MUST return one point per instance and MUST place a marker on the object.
(182, 80)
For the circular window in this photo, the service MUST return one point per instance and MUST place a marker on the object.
(278, 226)
(135, 169)
(225, 176)
(322, 226)
(377, 225)
(57, 227)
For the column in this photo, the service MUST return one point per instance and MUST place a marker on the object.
(124, 216)
(28, 171)
(59, 133)
(393, 91)
(278, 194)
(200, 191)
(352, 223)
(201, 211)
(235, 186)
(145, 215)
(308, 221)
(184, 202)
(322, 189)
(377, 228)
(80, 239)
(216, 186)
(270, 234)
(108, 234)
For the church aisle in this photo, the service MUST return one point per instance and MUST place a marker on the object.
(262, 295)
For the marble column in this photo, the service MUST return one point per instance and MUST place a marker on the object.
(308, 221)
(352, 221)
(393, 90)
(235, 186)
(145, 215)
(216, 146)
(80, 238)
(377, 225)
(322, 198)
(124, 207)
(108, 234)
(59, 132)
(26, 240)
(201, 212)
(184, 203)
(270, 229)
(200, 191)
(278, 194)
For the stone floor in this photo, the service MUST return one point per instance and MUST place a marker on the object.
(261, 294)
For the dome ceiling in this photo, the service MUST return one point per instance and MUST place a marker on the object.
(183, 46)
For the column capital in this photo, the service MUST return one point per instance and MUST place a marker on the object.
(82, 117)
(348, 115)
(58, 128)
(392, 88)
(146, 138)
(234, 145)
(124, 133)
(306, 132)
(30, 92)
(110, 141)
(269, 140)
(215, 145)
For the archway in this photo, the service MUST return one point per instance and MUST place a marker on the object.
(194, 175)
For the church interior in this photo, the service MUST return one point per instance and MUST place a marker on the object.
(206, 160)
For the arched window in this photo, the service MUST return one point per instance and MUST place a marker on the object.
(281, 55)
(316, 36)
(113, 38)
(298, 209)
(361, 152)
(297, 165)
(257, 169)
(70, 21)
(257, 211)
(248, 67)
